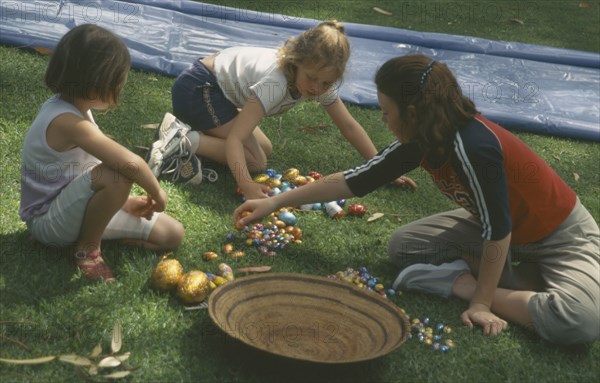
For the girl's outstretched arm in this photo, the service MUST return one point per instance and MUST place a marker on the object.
(357, 136)
(330, 188)
(243, 126)
(351, 129)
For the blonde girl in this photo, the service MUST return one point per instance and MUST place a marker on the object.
(224, 97)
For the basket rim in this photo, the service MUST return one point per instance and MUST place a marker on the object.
(281, 277)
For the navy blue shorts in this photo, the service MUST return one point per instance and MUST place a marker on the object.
(199, 101)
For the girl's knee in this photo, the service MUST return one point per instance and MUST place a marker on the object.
(168, 233)
(567, 320)
(104, 177)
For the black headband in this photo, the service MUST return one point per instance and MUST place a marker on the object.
(425, 74)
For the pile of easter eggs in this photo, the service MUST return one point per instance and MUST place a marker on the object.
(432, 336)
(272, 236)
(192, 287)
(363, 279)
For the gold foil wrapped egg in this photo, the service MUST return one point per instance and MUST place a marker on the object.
(274, 182)
(227, 248)
(238, 254)
(210, 255)
(261, 178)
(299, 181)
(291, 174)
(166, 274)
(193, 287)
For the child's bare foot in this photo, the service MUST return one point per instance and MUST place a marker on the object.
(92, 265)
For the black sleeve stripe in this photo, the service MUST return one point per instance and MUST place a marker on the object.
(475, 187)
(373, 161)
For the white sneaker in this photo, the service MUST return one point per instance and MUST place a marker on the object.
(172, 144)
(431, 279)
(171, 154)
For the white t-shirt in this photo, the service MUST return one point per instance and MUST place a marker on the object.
(243, 72)
(45, 171)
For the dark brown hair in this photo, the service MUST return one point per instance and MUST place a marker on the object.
(89, 62)
(321, 46)
(429, 86)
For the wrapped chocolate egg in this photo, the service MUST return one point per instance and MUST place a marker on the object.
(300, 180)
(357, 210)
(238, 254)
(261, 178)
(166, 274)
(273, 183)
(227, 248)
(224, 270)
(210, 255)
(193, 287)
(315, 175)
(288, 218)
(291, 174)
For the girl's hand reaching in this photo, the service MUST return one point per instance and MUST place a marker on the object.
(254, 190)
(481, 315)
(253, 210)
(405, 181)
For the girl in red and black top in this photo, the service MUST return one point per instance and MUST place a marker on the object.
(521, 247)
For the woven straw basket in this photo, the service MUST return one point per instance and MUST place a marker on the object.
(308, 317)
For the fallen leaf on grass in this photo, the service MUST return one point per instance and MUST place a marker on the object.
(375, 216)
(556, 157)
(585, 5)
(150, 126)
(383, 12)
(117, 375)
(43, 359)
(109, 361)
(75, 359)
(115, 343)
(576, 177)
(513, 21)
(96, 351)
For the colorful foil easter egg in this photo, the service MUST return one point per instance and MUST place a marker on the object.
(166, 274)
(315, 175)
(193, 287)
(291, 174)
(357, 210)
(224, 269)
(210, 255)
(238, 254)
(261, 178)
(300, 180)
(274, 183)
(287, 217)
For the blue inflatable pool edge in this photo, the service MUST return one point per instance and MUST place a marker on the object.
(523, 87)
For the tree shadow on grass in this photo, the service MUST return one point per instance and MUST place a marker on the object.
(32, 272)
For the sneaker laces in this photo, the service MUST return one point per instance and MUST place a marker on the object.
(177, 161)
(210, 174)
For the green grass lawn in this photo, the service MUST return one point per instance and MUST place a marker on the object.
(50, 310)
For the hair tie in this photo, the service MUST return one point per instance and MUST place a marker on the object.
(425, 74)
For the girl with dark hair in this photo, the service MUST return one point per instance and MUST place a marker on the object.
(520, 248)
(76, 181)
